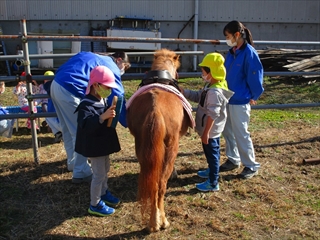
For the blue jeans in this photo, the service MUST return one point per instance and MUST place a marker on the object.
(212, 153)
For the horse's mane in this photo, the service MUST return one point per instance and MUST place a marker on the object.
(165, 59)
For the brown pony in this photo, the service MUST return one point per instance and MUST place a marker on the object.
(157, 120)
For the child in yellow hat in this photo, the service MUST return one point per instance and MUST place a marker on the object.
(211, 115)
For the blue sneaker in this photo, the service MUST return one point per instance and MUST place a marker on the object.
(109, 199)
(204, 173)
(206, 187)
(101, 209)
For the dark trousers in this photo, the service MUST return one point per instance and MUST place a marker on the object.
(212, 153)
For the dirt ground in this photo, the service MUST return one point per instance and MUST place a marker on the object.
(282, 202)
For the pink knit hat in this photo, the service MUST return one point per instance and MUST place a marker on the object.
(102, 75)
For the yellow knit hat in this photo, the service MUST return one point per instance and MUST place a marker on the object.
(215, 61)
(48, 73)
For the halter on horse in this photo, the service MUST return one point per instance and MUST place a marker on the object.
(159, 76)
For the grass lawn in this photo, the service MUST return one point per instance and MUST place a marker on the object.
(282, 202)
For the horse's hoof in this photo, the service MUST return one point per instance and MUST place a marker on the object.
(152, 229)
(174, 174)
(165, 224)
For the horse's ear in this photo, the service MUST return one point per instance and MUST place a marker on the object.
(176, 57)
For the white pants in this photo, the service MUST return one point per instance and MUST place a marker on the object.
(239, 147)
(54, 124)
(5, 125)
(65, 104)
(99, 184)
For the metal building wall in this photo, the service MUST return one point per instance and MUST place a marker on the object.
(263, 11)
(283, 11)
(276, 20)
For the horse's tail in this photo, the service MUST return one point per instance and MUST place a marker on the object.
(151, 158)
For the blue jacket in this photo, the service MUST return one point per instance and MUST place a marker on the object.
(244, 74)
(74, 76)
(94, 139)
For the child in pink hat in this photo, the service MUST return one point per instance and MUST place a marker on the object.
(96, 140)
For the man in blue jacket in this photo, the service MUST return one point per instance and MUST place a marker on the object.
(67, 90)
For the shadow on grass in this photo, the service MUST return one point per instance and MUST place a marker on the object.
(35, 199)
(185, 154)
(26, 143)
(129, 235)
(24, 131)
(134, 159)
(308, 140)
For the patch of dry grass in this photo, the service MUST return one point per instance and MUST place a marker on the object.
(282, 202)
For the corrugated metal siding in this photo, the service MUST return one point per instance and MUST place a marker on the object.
(148, 9)
(180, 10)
(16, 10)
(304, 11)
(61, 9)
(248, 11)
(39, 9)
(140, 8)
(101, 9)
(123, 7)
(274, 11)
(81, 10)
(3, 10)
(270, 15)
(312, 12)
(219, 11)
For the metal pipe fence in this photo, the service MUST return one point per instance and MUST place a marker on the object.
(64, 55)
(24, 37)
(135, 76)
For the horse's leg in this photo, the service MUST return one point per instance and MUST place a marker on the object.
(170, 156)
(150, 152)
(162, 216)
(154, 222)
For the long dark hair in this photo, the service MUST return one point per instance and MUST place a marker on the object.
(236, 26)
(122, 55)
(118, 54)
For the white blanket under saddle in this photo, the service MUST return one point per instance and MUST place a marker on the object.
(186, 105)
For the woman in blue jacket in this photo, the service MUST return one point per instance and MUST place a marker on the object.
(67, 90)
(245, 79)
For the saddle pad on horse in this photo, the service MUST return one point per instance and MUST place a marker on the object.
(186, 105)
